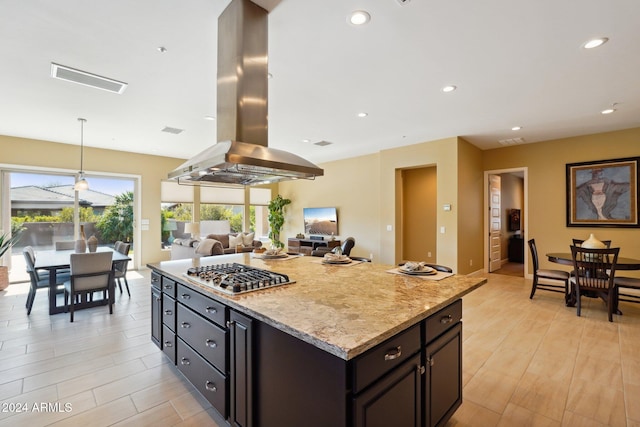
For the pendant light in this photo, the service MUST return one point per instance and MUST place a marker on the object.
(81, 183)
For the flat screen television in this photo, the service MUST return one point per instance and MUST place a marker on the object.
(322, 221)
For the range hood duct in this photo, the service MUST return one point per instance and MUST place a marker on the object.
(242, 155)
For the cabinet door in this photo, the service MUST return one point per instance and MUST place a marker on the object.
(443, 379)
(241, 376)
(156, 316)
(395, 400)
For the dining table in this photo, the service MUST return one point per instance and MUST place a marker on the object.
(55, 260)
(565, 258)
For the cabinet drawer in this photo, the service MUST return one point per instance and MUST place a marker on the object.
(169, 286)
(169, 312)
(202, 305)
(442, 320)
(384, 357)
(206, 338)
(169, 343)
(209, 382)
(155, 279)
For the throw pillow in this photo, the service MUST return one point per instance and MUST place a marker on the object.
(209, 247)
(247, 239)
(235, 240)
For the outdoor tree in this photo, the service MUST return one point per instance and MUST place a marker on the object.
(117, 221)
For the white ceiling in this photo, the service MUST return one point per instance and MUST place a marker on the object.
(514, 63)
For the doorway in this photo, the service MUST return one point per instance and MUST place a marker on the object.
(505, 250)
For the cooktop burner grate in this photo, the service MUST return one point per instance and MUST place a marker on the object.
(234, 278)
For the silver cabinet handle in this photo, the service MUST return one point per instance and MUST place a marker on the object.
(167, 312)
(168, 286)
(185, 361)
(168, 344)
(185, 296)
(210, 343)
(211, 310)
(393, 354)
(446, 319)
(210, 386)
(185, 325)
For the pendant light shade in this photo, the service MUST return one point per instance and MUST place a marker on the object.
(81, 183)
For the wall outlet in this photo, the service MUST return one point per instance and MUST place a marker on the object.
(470, 263)
(389, 228)
(428, 254)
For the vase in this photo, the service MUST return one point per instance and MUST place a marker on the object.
(81, 244)
(4, 277)
(593, 243)
(92, 243)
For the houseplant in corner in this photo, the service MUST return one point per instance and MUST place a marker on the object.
(276, 220)
(6, 242)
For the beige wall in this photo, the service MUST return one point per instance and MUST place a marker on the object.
(367, 191)
(546, 163)
(65, 157)
(350, 186)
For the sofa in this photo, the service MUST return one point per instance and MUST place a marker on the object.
(214, 244)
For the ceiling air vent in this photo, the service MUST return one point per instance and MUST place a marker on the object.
(69, 74)
(511, 141)
(322, 143)
(174, 131)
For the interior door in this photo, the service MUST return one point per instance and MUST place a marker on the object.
(495, 223)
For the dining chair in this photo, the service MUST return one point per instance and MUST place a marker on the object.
(627, 283)
(90, 272)
(39, 279)
(65, 245)
(578, 242)
(595, 271)
(120, 267)
(547, 274)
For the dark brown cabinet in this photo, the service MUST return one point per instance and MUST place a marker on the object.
(516, 249)
(156, 309)
(306, 246)
(395, 400)
(241, 370)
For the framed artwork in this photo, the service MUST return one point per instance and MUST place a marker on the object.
(603, 193)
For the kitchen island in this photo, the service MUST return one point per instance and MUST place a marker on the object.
(344, 345)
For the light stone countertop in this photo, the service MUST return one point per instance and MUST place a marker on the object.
(341, 309)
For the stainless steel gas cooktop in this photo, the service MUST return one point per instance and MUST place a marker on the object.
(234, 278)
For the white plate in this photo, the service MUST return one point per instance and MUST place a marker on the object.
(424, 271)
(265, 256)
(343, 261)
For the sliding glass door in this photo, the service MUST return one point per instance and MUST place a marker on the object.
(48, 211)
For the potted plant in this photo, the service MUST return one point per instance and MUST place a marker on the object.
(276, 220)
(6, 242)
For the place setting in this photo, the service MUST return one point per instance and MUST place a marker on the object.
(271, 254)
(419, 269)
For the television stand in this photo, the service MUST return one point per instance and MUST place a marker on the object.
(306, 246)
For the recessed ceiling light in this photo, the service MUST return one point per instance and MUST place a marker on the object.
(363, 114)
(161, 49)
(449, 88)
(516, 128)
(306, 140)
(359, 17)
(595, 43)
(209, 118)
(608, 111)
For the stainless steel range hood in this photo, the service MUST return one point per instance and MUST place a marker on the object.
(242, 155)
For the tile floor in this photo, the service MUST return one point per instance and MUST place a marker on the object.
(526, 363)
